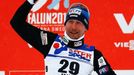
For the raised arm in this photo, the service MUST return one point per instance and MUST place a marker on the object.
(39, 39)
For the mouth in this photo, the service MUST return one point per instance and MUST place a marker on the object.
(74, 32)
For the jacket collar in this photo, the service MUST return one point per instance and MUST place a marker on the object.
(73, 43)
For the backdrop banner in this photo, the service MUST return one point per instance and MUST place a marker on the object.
(111, 30)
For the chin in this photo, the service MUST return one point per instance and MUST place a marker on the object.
(74, 37)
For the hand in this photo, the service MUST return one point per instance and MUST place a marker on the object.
(35, 1)
(32, 1)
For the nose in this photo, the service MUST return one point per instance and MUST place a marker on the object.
(74, 25)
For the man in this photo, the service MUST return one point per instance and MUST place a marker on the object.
(63, 55)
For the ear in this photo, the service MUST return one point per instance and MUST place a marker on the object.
(64, 27)
(85, 29)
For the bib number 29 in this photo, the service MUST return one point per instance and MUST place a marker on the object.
(73, 67)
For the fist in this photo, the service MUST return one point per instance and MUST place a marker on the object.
(32, 1)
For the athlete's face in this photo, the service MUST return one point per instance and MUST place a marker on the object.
(75, 29)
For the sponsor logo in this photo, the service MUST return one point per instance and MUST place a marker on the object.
(75, 11)
(101, 62)
(56, 45)
(104, 70)
(80, 54)
(79, 43)
(73, 15)
(65, 40)
(44, 38)
(129, 44)
(59, 48)
(46, 18)
(49, 20)
(126, 28)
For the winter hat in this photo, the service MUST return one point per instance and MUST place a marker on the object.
(79, 12)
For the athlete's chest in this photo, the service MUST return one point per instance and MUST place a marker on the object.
(62, 60)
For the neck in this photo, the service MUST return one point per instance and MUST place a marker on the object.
(65, 34)
(73, 42)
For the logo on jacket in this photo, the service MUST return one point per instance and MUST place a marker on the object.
(104, 70)
(101, 62)
(59, 48)
(80, 54)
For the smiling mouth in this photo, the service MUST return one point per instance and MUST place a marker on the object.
(74, 32)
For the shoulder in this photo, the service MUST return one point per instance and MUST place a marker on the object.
(97, 52)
